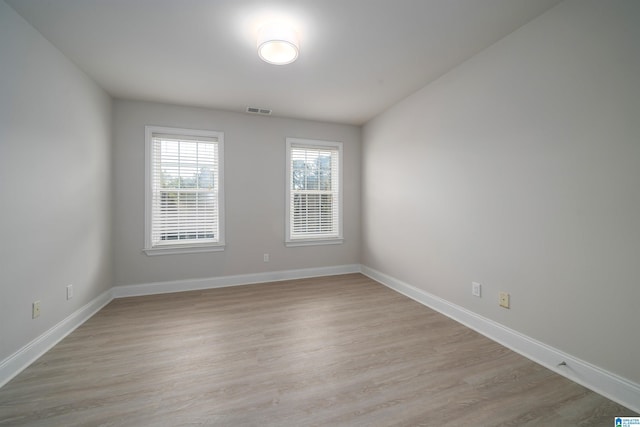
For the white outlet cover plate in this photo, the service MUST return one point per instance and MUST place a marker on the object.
(35, 309)
(476, 289)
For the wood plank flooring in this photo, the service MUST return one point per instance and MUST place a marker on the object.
(333, 351)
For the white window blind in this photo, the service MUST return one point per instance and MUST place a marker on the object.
(314, 199)
(185, 189)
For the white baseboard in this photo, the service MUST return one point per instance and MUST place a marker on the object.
(224, 281)
(592, 377)
(18, 361)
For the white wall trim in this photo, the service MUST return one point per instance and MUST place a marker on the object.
(224, 281)
(607, 384)
(18, 361)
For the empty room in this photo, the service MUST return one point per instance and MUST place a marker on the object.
(305, 213)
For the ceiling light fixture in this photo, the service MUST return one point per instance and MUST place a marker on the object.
(277, 44)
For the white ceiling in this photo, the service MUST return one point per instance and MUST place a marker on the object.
(358, 57)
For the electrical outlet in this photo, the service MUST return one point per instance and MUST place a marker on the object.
(69, 292)
(35, 309)
(476, 289)
(266, 258)
(503, 299)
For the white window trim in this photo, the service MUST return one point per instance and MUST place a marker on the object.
(312, 241)
(182, 248)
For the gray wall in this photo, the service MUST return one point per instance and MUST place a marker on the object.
(254, 194)
(520, 169)
(55, 184)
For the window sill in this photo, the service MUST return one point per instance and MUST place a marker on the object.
(174, 250)
(313, 242)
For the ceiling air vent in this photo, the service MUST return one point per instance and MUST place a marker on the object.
(255, 110)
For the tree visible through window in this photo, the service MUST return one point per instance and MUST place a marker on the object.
(314, 199)
(184, 189)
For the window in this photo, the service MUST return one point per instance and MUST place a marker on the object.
(314, 192)
(184, 199)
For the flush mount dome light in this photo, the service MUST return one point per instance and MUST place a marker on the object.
(277, 44)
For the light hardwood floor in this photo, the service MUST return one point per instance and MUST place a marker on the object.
(342, 350)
